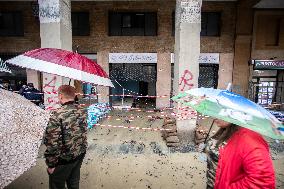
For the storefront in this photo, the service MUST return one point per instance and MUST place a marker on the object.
(267, 85)
(133, 74)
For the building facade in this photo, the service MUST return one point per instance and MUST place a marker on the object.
(134, 41)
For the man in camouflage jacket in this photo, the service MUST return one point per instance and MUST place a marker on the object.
(66, 141)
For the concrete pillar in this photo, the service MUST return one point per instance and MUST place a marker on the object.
(55, 32)
(187, 50)
(225, 70)
(102, 60)
(241, 66)
(243, 41)
(163, 85)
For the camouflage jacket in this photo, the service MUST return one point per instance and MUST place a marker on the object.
(66, 134)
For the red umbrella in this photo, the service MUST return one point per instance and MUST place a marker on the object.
(63, 63)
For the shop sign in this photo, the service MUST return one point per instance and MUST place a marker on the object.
(268, 64)
(205, 58)
(133, 58)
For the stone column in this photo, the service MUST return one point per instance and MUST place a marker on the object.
(102, 60)
(163, 85)
(55, 32)
(187, 50)
(243, 46)
(225, 70)
(241, 65)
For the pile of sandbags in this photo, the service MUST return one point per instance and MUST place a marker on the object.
(201, 133)
(170, 136)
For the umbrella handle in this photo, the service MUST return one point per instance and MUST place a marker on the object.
(209, 131)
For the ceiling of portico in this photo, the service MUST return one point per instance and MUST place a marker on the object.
(119, 0)
(270, 4)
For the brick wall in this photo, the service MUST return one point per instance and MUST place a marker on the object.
(99, 39)
(31, 38)
(99, 42)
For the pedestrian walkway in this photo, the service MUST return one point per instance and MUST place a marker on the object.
(119, 158)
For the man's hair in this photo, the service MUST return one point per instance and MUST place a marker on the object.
(67, 91)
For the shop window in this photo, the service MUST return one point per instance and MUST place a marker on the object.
(208, 75)
(132, 24)
(210, 23)
(11, 24)
(80, 24)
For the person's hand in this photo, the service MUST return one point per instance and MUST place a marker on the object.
(50, 170)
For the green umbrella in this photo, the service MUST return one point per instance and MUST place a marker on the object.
(232, 108)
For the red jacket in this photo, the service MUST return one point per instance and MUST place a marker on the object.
(245, 163)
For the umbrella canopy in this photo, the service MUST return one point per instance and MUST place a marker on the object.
(232, 108)
(22, 125)
(63, 63)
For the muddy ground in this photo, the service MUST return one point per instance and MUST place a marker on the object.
(120, 158)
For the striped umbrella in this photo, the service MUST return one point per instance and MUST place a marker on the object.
(63, 63)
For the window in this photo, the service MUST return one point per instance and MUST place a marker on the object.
(132, 24)
(210, 24)
(11, 24)
(80, 24)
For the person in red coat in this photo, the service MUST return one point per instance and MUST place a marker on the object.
(244, 162)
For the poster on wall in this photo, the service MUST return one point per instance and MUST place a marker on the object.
(133, 58)
(205, 58)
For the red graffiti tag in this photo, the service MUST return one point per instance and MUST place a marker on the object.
(185, 80)
(50, 85)
(50, 89)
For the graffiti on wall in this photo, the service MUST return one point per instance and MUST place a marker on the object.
(190, 11)
(185, 82)
(50, 90)
(49, 11)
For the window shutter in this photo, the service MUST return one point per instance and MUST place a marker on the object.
(150, 24)
(84, 24)
(115, 24)
(213, 24)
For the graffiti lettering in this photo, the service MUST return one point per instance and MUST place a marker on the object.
(51, 92)
(50, 85)
(185, 80)
(49, 11)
